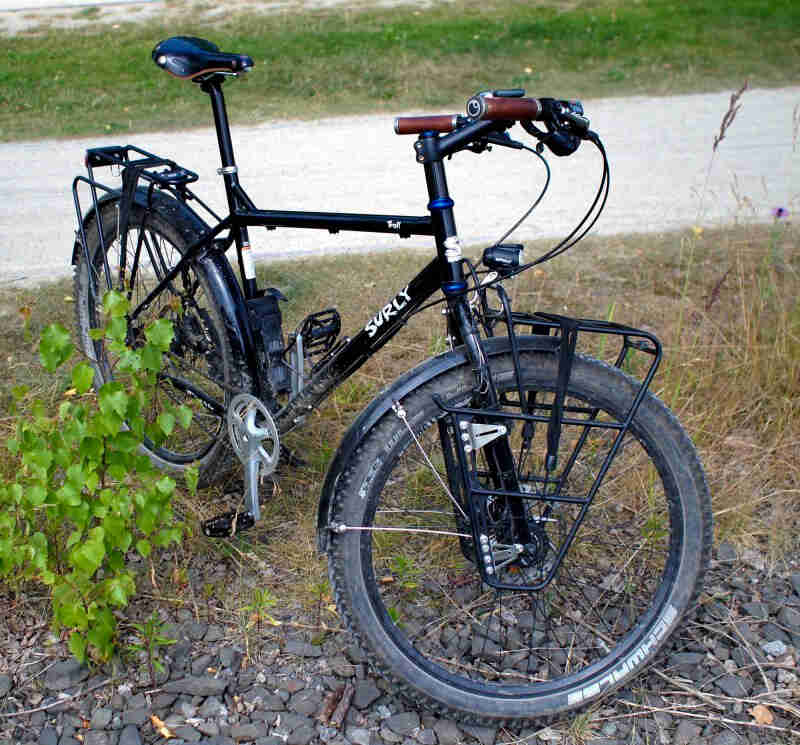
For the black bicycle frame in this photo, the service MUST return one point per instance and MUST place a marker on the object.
(444, 273)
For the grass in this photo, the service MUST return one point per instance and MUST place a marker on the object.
(724, 303)
(56, 83)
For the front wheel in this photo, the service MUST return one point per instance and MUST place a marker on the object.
(402, 555)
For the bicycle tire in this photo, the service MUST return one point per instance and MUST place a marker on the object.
(416, 603)
(200, 354)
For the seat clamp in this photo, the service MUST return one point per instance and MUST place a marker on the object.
(227, 170)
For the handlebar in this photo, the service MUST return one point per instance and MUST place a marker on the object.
(414, 125)
(482, 106)
(565, 123)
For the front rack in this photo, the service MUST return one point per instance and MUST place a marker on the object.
(533, 497)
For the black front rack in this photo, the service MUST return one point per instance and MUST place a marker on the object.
(535, 495)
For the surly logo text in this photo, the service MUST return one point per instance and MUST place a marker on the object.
(401, 299)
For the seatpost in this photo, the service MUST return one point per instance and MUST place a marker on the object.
(229, 171)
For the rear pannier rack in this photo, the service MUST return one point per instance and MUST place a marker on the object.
(135, 167)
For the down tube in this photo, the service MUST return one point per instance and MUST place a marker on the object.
(377, 331)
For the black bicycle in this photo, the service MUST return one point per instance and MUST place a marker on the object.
(513, 529)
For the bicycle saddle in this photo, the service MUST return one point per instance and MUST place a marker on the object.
(190, 58)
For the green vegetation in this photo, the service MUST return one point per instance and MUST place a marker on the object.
(80, 496)
(66, 83)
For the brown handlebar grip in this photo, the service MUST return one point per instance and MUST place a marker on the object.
(486, 107)
(414, 125)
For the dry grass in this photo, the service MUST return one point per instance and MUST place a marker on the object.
(724, 304)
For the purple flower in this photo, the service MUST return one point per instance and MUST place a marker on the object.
(780, 212)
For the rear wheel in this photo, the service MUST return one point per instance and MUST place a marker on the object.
(199, 371)
(403, 554)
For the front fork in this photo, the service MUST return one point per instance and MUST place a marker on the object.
(462, 330)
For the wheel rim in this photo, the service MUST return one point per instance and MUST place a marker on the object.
(610, 588)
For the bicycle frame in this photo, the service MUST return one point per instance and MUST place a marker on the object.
(442, 273)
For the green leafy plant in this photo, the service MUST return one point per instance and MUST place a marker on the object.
(150, 639)
(84, 496)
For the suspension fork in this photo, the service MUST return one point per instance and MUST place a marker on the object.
(463, 330)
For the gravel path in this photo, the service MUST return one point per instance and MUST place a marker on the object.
(660, 150)
(738, 653)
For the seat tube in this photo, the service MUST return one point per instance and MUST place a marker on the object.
(230, 176)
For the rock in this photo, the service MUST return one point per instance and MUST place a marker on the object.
(301, 735)
(197, 686)
(426, 737)
(358, 735)
(136, 716)
(772, 632)
(187, 733)
(790, 618)
(686, 659)
(365, 693)
(231, 658)
(404, 723)
(212, 707)
(247, 732)
(686, 733)
(732, 685)
(164, 700)
(65, 674)
(795, 580)
(356, 655)
(195, 631)
(130, 736)
(342, 667)
(484, 735)
(101, 718)
(305, 702)
(261, 698)
(756, 610)
(302, 649)
(727, 738)
(5, 684)
(214, 634)
(49, 736)
(201, 664)
(388, 736)
(775, 648)
(95, 738)
(447, 732)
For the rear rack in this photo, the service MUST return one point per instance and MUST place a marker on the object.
(547, 486)
(133, 166)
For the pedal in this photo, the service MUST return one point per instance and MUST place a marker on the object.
(227, 525)
(319, 331)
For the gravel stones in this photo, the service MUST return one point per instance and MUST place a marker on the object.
(302, 649)
(197, 686)
(789, 617)
(130, 736)
(775, 648)
(365, 693)
(65, 674)
(733, 685)
(277, 697)
(687, 732)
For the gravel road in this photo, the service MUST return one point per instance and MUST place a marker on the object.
(660, 150)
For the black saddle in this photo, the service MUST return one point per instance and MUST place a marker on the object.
(194, 59)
